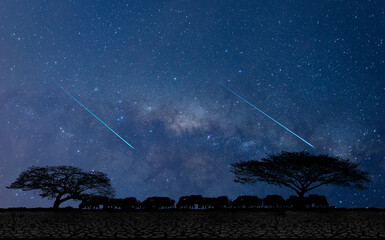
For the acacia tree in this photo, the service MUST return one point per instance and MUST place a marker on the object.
(63, 183)
(301, 171)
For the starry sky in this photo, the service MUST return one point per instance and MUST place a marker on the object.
(149, 70)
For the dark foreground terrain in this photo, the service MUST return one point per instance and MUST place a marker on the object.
(172, 223)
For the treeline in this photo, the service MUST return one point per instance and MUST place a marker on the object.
(200, 202)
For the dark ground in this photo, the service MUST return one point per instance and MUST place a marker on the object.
(335, 223)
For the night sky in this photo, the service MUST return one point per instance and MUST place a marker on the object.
(149, 70)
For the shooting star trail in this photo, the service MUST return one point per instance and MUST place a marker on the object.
(264, 114)
(93, 114)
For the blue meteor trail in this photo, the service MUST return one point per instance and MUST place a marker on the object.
(93, 115)
(264, 113)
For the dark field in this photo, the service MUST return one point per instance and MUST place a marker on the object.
(264, 223)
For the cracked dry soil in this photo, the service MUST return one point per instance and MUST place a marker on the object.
(192, 224)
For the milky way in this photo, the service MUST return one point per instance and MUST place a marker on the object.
(150, 70)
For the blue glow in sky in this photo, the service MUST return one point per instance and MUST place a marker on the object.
(316, 66)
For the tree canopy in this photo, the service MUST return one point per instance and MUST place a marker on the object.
(63, 183)
(301, 171)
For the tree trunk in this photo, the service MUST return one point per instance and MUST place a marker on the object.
(57, 203)
(301, 195)
(302, 203)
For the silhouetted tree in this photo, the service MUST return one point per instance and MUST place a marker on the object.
(301, 171)
(63, 183)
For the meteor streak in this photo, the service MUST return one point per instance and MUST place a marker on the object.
(93, 114)
(264, 114)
